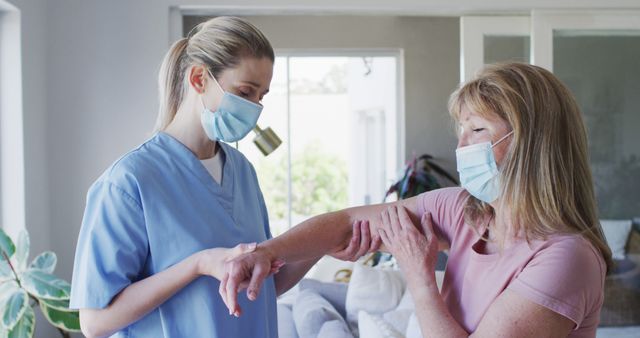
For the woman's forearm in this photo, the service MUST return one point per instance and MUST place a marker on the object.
(139, 298)
(431, 311)
(329, 232)
(326, 233)
(291, 274)
(311, 238)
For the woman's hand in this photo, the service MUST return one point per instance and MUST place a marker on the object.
(246, 270)
(211, 261)
(361, 243)
(415, 252)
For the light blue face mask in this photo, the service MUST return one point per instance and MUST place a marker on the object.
(234, 118)
(478, 170)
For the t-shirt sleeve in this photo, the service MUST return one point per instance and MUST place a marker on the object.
(112, 246)
(447, 209)
(566, 277)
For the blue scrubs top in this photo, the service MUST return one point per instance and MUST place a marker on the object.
(153, 208)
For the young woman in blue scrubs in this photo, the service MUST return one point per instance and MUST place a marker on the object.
(162, 220)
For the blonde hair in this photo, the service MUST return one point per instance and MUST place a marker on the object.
(545, 176)
(219, 43)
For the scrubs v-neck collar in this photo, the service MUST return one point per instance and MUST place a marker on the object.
(185, 157)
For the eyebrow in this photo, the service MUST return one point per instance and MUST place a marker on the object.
(256, 85)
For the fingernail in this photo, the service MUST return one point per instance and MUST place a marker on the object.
(252, 295)
(253, 245)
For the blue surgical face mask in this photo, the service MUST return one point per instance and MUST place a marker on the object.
(234, 118)
(479, 171)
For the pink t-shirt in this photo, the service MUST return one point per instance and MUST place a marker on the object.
(565, 273)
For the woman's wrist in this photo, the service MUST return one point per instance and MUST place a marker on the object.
(267, 249)
(420, 273)
(205, 263)
(423, 292)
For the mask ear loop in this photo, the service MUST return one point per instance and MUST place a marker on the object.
(502, 139)
(217, 84)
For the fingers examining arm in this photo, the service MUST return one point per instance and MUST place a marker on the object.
(361, 243)
(348, 253)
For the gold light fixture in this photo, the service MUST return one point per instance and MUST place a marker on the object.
(266, 140)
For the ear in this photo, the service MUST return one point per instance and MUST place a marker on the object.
(198, 77)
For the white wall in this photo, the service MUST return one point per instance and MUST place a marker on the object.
(90, 89)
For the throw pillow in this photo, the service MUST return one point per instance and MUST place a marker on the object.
(335, 293)
(398, 318)
(373, 290)
(286, 326)
(617, 233)
(413, 329)
(622, 294)
(311, 312)
(335, 329)
(374, 326)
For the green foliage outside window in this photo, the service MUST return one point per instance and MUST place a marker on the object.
(319, 182)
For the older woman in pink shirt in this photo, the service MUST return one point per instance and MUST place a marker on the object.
(527, 256)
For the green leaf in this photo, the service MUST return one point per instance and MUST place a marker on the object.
(22, 250)
(66, 320)
(7, 289)
(13, 309)
(5, 271)
(25, 326)
(45, 285)
(6, 244)
(45, 261)
(60, 305)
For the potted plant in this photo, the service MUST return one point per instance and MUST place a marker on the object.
(421, 174)
(25, 285)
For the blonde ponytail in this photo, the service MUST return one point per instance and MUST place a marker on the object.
(171, 83)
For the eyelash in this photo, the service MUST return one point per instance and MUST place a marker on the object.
(477, 130)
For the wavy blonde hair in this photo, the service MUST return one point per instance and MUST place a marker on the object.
(219, 43)
(545, 176)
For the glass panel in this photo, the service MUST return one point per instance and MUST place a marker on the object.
(319, 134)
(506, 48)
(272, 169)
(602, 70)
(343, 116)
(341, 129)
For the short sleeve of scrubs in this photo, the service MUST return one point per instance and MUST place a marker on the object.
(112, 246)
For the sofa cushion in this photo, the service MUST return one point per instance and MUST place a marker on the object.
(413, 329)
(622, 293)
(335, 329)
(374, 326)
(286, 327)
(334, 293)
(616, 233)
(373, 290)
(311, 312)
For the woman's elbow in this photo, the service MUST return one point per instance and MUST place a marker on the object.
(90, 324)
